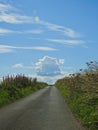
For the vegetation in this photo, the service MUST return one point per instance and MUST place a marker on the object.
(81, 93)
(15, 87)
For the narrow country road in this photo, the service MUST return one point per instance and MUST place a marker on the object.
(43, 110)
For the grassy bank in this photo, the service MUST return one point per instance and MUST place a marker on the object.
(80, 90)
(16, 87)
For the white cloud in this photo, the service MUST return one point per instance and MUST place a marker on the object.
(70, 32)
(7, 16)
(18, 65)
(7, 48)
(85, 46)
(10, 14)
(36, 31)
(58, 28)
(68, 42)
(64, 30)
(4, 31)
(14, 18)
(5, 7)
(48, 66)
(36, 19)
(61, 61)
(45, 48)
(48, 79)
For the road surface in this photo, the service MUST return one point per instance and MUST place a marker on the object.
(43, 110)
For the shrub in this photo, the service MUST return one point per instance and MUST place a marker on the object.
(15, 87)
(81, 93)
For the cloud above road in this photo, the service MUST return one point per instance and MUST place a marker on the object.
(48, 66)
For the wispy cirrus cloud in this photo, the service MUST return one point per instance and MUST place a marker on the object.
(70, 42)
(44, 48)
(54, 27)
(4, 49)
(10, 14)
(4, 31)
(67, 42)
(7, 48)
(7, 16)
(5, 7)
(14, 18)
(34, 31)
(20, 65)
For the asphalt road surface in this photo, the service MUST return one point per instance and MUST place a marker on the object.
(43, 110)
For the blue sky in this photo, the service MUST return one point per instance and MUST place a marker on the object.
(47, 39)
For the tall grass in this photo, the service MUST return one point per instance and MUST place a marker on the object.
(81, 93)
(15, 87)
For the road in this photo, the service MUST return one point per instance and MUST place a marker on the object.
(42, 110)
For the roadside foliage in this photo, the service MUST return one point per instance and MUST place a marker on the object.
(16, 87)
(80, 91)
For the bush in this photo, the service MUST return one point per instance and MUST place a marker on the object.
(15, 87)
(4, 97)
(81, 93)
